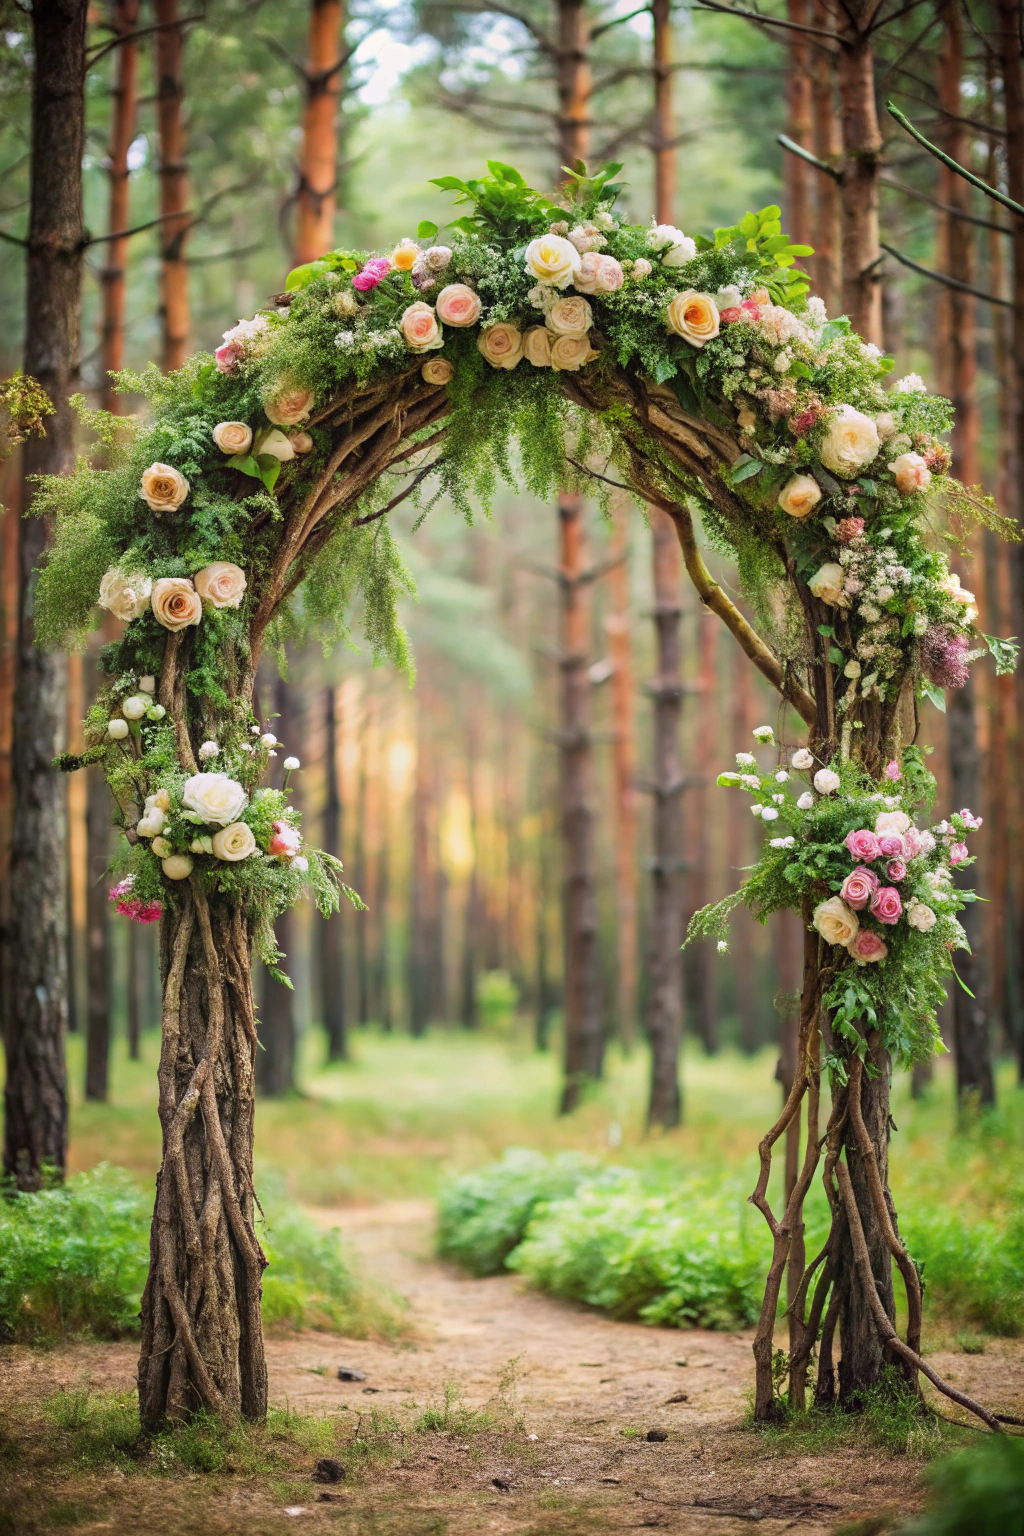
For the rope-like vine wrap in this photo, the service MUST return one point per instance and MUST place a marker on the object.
(254, 504)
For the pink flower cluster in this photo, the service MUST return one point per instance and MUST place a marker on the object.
(374, 272)
(849, 528)
(862, 888)
(286, 841)
(944, 656)
(129, 906)
(747, 310)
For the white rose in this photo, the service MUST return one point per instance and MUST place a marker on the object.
(162, 800)
(232, 437)
(221, 584)
(275, 443)
(835, 921)
(680, 253)
(207, 750)
(802, 759)
(851, 441)
(641, 269)
(177, 867)
(291, 763)
(152, 824)
(234, 842)
(911, 473)
(661, 237)
(134, 707)
(800, 495)
(920, 916)
(552, 259)
(268, 739)
(891, 821)
(827, 583)
(213, 797)
(806, 801)
(147, 685)
(117, 730)
(537, 346)
(826, 782)
(126, 597)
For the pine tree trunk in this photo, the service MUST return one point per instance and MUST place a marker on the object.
(862, 148)
(170, 85)
(797, 172)
(97, 940)
(125, 15)
(275, 1064)
(318, 173)
(826, 263)
(574, 82)
(202, 1342)
(624, 771)
(663, 137)
(420, 902)
(664, 1010)
(584, 1035)
(701, 961)
(332, 933)
(35, 1096)
(133, 989)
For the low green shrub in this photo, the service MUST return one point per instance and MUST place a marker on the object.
(73, 1260)
(977, 1493)
(973, 1272)
(483, 1215)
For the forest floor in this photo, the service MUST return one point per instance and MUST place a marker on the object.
(556, 1447)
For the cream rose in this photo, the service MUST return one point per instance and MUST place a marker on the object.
(176, 603)
(537, 346)
(220, 583)
(694, 316)
(851, 441)
(213, 797)
(126, 597)
(232, 437)
(826, 781)
(800, 496)
(437, 370)
(911, 473)
(571, 316)
(552, 259)
(921, 916)
(835, 921)
(290, 405)
(601, 274)
(420, 329)
(458, 305)
(301, 442)
(891, 821)
(827, 583)
(163, 488)
(234, 842)
(275, 443)
(501, 344)
(177, 867)
(569, 353)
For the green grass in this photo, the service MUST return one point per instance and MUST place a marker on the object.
(73, 1260)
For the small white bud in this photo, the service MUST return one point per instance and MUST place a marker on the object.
(208, 749)
(291, 763)
(117, 730)
(147, 685)
(268, 739)
(135, 707)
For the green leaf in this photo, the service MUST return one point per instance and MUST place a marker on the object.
(426, 230)
(935, 695)
(502, 172)
(826, 629)
(269, 469)
(466, 224)
(745, 468)
(801, 250)
(727, 780)
(835, 656)
(449, 184)
(1005, 653)
(301, 277)
(748, 225)
(245, 464)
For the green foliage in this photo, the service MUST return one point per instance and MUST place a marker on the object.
(483, 1216)
(980, 1492)
(73, 1260)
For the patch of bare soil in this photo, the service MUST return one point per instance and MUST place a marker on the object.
(589, 1391)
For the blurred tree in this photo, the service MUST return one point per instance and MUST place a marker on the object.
(176, 219)
(318, 169)
(330, 933)
(124, 96)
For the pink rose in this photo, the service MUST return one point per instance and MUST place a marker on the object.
(891, 845)
(892, 771)
(886, 905)
(863, 846)
(958, 852)
(751, 309)
(374, 272)
(858, 888)
(285, 842)
(867, 946)
(458, 305)
(228, 356)
(420, 328)
(897, 870)
(598, 274)
(731, 315)
(912, 843)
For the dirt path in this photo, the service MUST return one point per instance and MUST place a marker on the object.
(589, 1391)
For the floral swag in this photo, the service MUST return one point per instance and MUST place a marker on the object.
(551, 342)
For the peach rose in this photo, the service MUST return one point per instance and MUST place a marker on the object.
(827, 583)
(405, 255)
(602, 274)
(800, 496)
(176, 603)
(420, 328)
(694, 316)
(911, 473)
(436, 370)
(290, 405)
(570, 316)
(220, 583)
(569, 353)
(501, 344)
(232, 437)
(458, 305)
(163, 488)
(537, 346)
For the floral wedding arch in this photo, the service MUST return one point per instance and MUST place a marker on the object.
(252, 503)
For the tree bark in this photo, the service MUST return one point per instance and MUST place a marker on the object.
(421, 903)
(700, 960)
(664, 1010)
(170, 86)
(35, 1096)
(574, 82)
(134, 989)
(799, 126)
(663, 138)
(622, 688)
(318, 172)
(862, 149)
(275, 1064)
(738, 853)
(331, 954)
(584, 1035)
(97, 940)
(826, 263)
(124, 16)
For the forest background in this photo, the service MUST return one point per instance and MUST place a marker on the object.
(203, 133)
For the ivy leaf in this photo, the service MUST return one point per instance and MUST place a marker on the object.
(449, 184)
(835, 655)
(502, 172)
(826, 629)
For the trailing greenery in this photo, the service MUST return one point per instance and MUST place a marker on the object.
(73, 1260)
